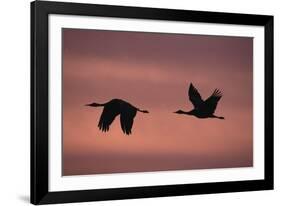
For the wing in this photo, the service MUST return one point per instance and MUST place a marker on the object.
(194, 96)
(212, 101)
(127, 116)
(107, 117)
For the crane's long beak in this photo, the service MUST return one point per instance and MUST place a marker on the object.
(87, 105)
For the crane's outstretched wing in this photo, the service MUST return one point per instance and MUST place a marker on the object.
(194, 96)
(127, 115)
(212, 101)
(107, 117)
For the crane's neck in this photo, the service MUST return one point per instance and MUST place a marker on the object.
(183, 112)
(94, 104)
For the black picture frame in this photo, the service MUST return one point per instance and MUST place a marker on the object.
(40, 108)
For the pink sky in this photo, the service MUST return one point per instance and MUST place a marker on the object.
(153, 71)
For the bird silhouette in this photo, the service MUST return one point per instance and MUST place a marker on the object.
(112, 109)
(202, 109)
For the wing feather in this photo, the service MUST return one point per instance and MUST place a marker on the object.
(194, 96)
(212, 101)
(127, 116)
(107, 117)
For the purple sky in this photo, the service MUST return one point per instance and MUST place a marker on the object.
(153, 71)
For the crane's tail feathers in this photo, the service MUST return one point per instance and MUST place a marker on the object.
(218, 117)
(143, 111)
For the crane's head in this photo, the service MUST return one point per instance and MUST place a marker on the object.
(192, 112)
(179, 112)
(93, 104)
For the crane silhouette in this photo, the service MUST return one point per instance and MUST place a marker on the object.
(112, 109)
(202, 109)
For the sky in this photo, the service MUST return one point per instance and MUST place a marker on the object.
(153, 71)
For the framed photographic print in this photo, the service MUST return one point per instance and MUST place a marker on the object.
(131, 102)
